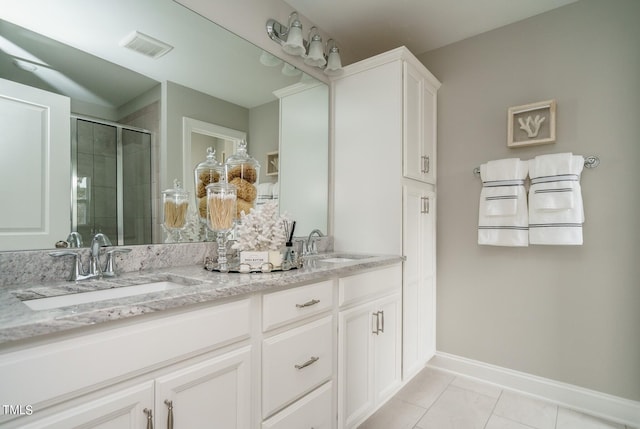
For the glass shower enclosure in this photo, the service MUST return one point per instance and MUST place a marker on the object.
(111, 176)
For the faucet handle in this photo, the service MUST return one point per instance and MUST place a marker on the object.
(110, 266)
(77, 272)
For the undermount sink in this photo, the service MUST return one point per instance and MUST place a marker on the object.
(99, 295)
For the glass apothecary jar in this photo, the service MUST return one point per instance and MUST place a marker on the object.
(221, 206)
(207, 172)
(243, 172)
(175, 203)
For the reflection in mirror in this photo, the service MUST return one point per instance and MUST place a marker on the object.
(209, 75)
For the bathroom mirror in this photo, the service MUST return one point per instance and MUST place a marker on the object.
(208, 74)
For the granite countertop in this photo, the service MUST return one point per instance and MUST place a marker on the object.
(19, 322)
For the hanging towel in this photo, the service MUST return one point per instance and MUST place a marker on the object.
(502, 218)
(555, 199)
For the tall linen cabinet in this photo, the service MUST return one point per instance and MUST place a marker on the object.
(385, 181)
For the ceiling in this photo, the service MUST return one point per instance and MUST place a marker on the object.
(364, 28)
(210, 59)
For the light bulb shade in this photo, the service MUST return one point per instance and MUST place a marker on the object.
(334, 64)
(316, 53)
(269, 60)
(294, 44)
(289, 70)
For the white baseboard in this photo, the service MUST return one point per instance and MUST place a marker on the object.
(591, 402)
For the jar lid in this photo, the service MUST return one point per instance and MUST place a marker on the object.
(248, 166)
(210, 162)
(176, 190)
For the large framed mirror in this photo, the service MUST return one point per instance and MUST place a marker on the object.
(208, 74)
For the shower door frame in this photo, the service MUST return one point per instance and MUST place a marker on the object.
(119, 170)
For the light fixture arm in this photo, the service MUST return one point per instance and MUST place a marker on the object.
(279, 32)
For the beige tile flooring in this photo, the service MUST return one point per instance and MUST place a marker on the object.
(438, 400)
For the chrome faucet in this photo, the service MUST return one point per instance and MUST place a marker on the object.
(99, 240)
(95, 269)
(310, 247)
(74, 239)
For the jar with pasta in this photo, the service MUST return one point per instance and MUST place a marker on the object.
(207, 172)
(243, 172)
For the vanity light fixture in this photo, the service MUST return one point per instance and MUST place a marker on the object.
(334, 64)
(269, 60)
(292, 42)
(316, 50)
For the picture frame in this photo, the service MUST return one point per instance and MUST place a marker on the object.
(531, 124)
(272, 164)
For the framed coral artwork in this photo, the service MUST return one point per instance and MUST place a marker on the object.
(532, 124)
(272, 164)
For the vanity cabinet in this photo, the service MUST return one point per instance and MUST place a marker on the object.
(369, 343)
(216, 391)
(385, 175)
(205, 374)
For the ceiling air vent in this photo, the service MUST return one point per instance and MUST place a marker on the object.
(145, 45)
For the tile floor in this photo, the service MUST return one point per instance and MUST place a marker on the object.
(438, 400)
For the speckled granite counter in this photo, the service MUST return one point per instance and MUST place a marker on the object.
(19, 322)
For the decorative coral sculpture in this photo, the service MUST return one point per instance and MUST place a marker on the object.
(262, 229)
(531, 126)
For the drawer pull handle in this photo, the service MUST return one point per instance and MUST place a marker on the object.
(308, 304)
(382, 321)
(149, 414)
(169, 405)
(313, 360)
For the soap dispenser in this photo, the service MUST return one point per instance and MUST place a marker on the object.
(207, 172)
(243, 172)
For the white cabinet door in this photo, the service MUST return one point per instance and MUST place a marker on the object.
(121, 410)
(34, 167)
(387, 347)
(419, 277)
(419, 139)
(214, 393)
(413, 136)
(369, 358)
(356, 329)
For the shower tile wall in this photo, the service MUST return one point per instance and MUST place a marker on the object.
(97, 150)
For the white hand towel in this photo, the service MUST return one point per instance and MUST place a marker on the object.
(556, 213)
(502, 217)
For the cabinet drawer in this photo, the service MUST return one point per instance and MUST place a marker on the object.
(296, 362)
(293, 304)
(312, 411)
(369, 285)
